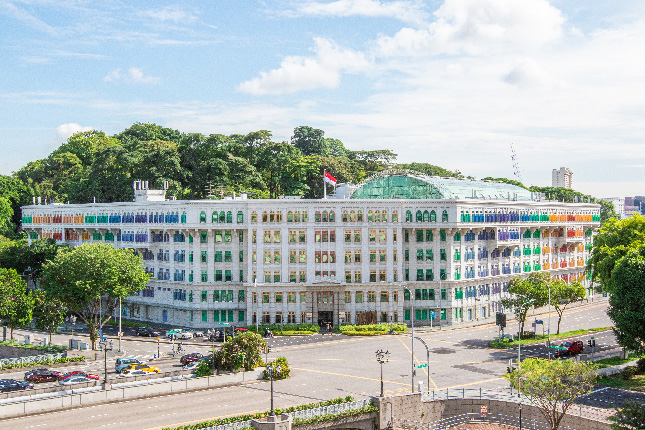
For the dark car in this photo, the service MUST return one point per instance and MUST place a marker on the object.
(147, 332)
(189, 358)
(569, 348)
(79, 373)
(42, 375)
(13, 385)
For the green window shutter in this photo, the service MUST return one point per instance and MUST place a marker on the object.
(216, 316)
(240, 316)
(204, 316)
(406, 314)
(230, 316)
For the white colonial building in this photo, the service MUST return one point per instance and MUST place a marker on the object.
(445, 247)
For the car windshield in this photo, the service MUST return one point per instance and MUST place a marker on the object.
(567, 344)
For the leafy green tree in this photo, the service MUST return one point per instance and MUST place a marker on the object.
(371, 162)
(552, 385)
(563, 294)
(310, 141)
(627, 300)
(244, 350)
(506, 181)
(430, 170)
(28, 260)
(631, 416)
(607, 211)
(613, 241)
(16, 304)
(527, 292)
(90, 278)
(49, 313)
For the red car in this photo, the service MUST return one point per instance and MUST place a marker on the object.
(570, 347)
(42, 375)
(79, 373)
(189, 358)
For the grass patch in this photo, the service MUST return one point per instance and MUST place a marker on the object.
(542, 338)
(371, 329)
(615, 361)
(635, 383)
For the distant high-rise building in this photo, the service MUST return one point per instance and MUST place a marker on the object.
(561, 178)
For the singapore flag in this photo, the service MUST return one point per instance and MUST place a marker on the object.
(330, 179)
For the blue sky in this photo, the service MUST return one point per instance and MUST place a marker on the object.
(450, 82)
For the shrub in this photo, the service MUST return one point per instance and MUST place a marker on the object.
(640, 365)
(628, 372)
(284, 371)
(204, 369)
(371, 329)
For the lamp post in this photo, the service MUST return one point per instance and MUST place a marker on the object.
(412, 323)
(519, 335)
(271, 370)
(72, 319)
(106, 348)
(382, 357)
(427, 359)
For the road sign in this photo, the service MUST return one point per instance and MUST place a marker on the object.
(224, 324)
(422, 365)
(484, 410)
(433, 314)
(120, 334)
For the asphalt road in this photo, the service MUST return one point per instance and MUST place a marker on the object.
(325, 367)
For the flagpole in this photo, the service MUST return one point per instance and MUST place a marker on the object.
(324, 184)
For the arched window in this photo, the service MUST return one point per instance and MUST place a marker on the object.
(271, 216)
(222, 217)
(183, 218)
(214, 217)
(265, 217)
(457, 237)
(377, 216)
(296, 216)
(202, 217)
(433, 216)
(395, 216)
(352, 216)
(325, 217)
(229, 217)
(426, 216)
(359, 216)
(408, 216)
(345, 216)
(444, 216)
(370, 216)
(254, 216)
(289, 216)
(332, 216)
(419, 217)
(384, 216)
(317, 216)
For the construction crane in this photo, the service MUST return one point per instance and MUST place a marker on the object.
(516, 165)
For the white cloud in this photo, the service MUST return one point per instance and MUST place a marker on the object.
(134, 74)
(527, 73)
(407, 11)
(170, 13)
(478, 27)
(65, 131)
(298, 73)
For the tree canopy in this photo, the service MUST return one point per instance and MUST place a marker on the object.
(90, 278)
(527, 292)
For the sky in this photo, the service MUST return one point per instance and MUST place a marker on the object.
(452, 83)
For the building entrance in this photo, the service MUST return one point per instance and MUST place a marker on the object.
(325, 317)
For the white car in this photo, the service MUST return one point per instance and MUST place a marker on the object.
(75, 380)
(192, 366)
(184, 335)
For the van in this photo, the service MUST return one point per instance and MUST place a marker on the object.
(122, 363)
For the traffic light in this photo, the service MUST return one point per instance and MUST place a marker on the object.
(588, 342)
(500, 319)
(509, 370)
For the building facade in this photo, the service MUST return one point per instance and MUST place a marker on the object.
(370, 257)
(562, 178)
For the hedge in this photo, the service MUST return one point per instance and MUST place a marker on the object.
(371, 329)
(42, 362)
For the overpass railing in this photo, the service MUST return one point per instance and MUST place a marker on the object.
(454, 423)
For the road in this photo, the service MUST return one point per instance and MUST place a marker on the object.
(328, 367)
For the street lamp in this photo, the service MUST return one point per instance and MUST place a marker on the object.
(519, 334)
(272, 369)
(548, 332)
(104, 345)
(72, 319)
(412, 323)
(382, 357)
(427, 360)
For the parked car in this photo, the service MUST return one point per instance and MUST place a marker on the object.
(42, 375)
(122, 363)
(144, 367)
(147, 332)
(173, 333)
(569, 348)
(192, 366)
(134, 372)
(13, 385)
(195, 332)
(184, 335)
(189, 358)
(75, 379)
(79, 373)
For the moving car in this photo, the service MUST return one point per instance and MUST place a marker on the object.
(143, 366)
(189, 358)
(194, 332)
(122, 363)
(42, 375)
(13, 385)
(79, 373)
(184, 335)
(147, 332)
(134, 372)
(76, 379)
(569, 348)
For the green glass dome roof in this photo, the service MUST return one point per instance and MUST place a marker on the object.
(410, 186)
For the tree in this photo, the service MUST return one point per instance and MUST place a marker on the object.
(244, 350)
(506, 181)
(562, 294)
(614, 240)
(627, 300)
(310, 141)
(630, 417)
(527, 292)
(28, 260)
(607, 211)
(16, 304)
(90, 278)
(552, 385)
(48, 312)
(430, 169)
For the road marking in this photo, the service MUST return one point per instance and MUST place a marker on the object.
(471, 383)
(426, 370)
(349, 376)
